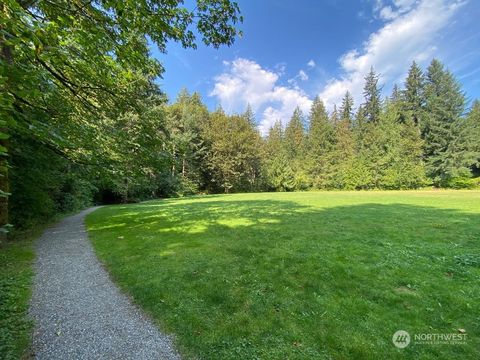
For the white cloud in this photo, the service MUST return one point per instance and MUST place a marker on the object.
(387, 13)
(246, 82)
(406, 37)
(302, 75)
(311, 64)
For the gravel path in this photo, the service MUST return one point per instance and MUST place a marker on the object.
(78, 311)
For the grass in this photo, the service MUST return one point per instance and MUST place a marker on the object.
(316, 275)
(16, 274)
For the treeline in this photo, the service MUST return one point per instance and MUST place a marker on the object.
(421, 135)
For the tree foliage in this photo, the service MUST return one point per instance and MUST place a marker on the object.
(73, 76)
(82, 119)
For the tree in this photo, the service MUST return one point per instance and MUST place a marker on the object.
(445, 103)
(233, 155)
(346, 110)
(471, 136)
(414, 94)
(295, 142)
(279, 173)
(83, 62)
(295, 136)
(320, 145)
(371, 93)
(343, 152)
(186, 120)
(396, 96)
(403, 166)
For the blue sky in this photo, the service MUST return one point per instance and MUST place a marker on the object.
(292, 51)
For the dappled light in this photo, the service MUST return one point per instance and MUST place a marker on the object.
(298, 266)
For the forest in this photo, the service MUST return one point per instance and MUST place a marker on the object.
(81, 126)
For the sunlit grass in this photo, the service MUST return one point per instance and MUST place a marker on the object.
(301, 275)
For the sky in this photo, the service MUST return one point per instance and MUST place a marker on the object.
(294, 50)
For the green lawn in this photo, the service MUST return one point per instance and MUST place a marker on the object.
(301, 275)
(16, 275)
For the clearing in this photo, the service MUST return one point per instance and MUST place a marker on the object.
(301, 275)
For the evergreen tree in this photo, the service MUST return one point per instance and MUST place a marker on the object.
(279, 173)
(320, 145)
(445, 103)
(249, 115)
(471, 136)
(396, 96)
(414, 94)
(403, 166)
(335, 115)
(185, 121)
(295, 142)
(343, 152)
(371, 93)
(346, 110)
(295, 136)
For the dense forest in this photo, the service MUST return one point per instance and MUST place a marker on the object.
(83, 121)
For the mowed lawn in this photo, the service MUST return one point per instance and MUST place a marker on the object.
(312, 275)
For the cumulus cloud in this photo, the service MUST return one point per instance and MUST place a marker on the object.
(311, 64)
(408, 36)
(246, 82)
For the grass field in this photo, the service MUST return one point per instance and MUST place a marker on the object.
(16, 275)
(317, 275)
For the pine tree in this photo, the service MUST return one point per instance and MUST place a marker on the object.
(402, 158)
(279, 173)
(249, 115)
(414, 94)
(320, 145)
(343, 152)
(471, 136)
(371, 93)
(335, 115)
(346, 110)
(445, 103)
(396, 96)
(295, 135)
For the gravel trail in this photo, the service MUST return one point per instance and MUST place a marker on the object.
(78, 312)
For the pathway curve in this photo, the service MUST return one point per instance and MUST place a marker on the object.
(79, 313)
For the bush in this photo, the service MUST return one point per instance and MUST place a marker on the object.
(463, 183)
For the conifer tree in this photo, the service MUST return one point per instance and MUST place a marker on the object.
(346, 109)
(343, 152)
(371, 93)
(445, 103)
(414, 94)
(320, 144)
(295, 135)
(471, 136)
(403, 166)
(295, 141)
(396, 96)
(279, 173)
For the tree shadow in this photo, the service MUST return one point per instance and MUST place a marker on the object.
(247, 268)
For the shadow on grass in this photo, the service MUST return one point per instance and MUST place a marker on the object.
(274, 278)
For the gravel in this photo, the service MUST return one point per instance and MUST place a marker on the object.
(78, 311)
